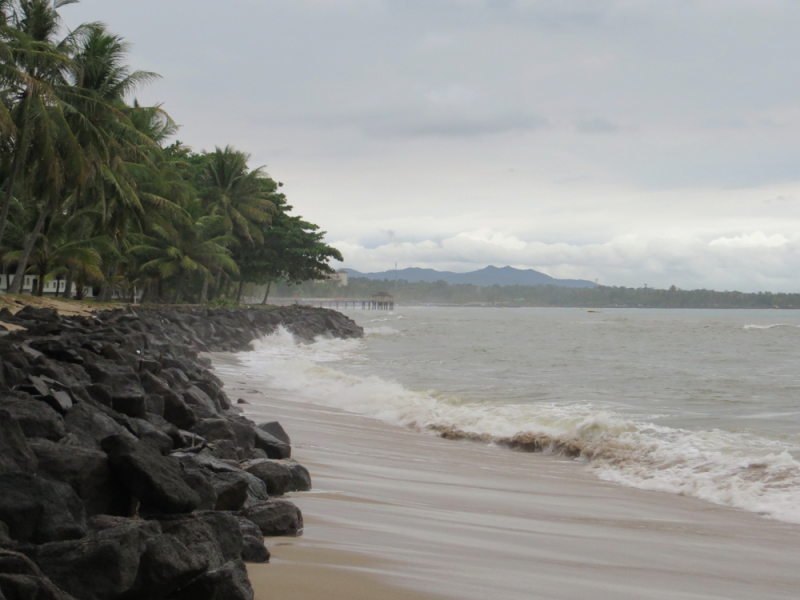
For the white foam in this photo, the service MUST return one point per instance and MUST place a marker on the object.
(382, 330)
(772, 326)
(729, 468)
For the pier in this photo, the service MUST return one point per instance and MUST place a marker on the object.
(380, 301)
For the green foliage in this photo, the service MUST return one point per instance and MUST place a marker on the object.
(96, 193)
(224, 303)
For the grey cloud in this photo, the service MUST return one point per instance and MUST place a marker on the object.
(597, 125)
(449, 125)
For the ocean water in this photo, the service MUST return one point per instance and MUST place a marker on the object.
(701, 403)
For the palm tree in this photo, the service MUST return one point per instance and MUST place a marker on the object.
(44, 148)
(235, 193)
(57, 248)
(195, 246)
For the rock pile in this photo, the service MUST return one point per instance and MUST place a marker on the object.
(125, 471)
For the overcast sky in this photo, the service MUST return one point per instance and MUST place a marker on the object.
(629, 141)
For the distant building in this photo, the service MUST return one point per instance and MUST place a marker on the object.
(339, 278)
(50, 288)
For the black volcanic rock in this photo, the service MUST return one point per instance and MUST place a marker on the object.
(87, 471)
(272, 445)
(39, 510)
(276, 430)
(101, 566)
(15, 453)
(154, 479)
(276, 517)
(90, 410)
(229, 582)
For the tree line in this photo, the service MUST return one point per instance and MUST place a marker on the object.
(441, 292)
(94, 194)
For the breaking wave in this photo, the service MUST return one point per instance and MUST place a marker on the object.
(736, 469)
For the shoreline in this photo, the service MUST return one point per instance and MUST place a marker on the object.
(465, 520)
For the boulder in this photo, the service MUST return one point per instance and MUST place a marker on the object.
(91, 426)
(198, 480)
(229, 582)
(165, 567)
(31, 313)
(257, 489)
(29, 587)
(15, 453)
(197, 398)
(231, 489)
(177, 411)
(280, 476)
(87, 470)
(214, 537)
(127, 393)
(35, 418)
(272, 445)
(214, 429)
(38, 510)
(102, 566)
(57, 350)
(254, 550)
(154, 479)
(276, 517)
(301, 478)
(150, 434)
(15, 563)
(275, 430)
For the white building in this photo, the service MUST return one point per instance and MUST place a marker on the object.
(50, 288)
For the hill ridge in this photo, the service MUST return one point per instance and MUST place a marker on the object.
(487, 276)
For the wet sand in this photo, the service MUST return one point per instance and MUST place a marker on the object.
(399, 514)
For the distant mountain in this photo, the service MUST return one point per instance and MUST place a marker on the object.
(488, 276)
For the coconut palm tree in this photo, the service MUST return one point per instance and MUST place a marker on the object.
(233, 192)
(195, 246)
(45, 158)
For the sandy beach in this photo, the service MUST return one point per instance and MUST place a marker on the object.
(399, 514)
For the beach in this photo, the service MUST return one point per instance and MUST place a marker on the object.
(399, 513)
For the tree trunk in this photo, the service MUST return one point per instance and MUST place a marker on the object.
(266, 296)
(68, 285)
(239, 291)
(40, 284)
(80, 286)
(204, 293)
(19, 278)
(19, 158)
(105, 290)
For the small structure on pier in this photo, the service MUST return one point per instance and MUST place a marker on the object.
(383, 301)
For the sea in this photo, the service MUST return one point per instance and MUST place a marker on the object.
(701, 403)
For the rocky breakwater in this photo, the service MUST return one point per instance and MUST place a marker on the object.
(125, 471)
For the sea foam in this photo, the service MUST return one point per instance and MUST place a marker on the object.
(736, 469)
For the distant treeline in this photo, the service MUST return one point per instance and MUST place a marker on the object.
(540, 295)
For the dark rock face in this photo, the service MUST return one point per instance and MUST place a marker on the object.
(116, 417)
(154, 479)
(254, 550)
(214, 537)
(272, 445)
(15, 454)
(39, 510)
(101, 566)
(35, 418)
(165, 567)
(275, 430)
(280, 476)
(229, 582)
(276, 517)
(87, 471)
